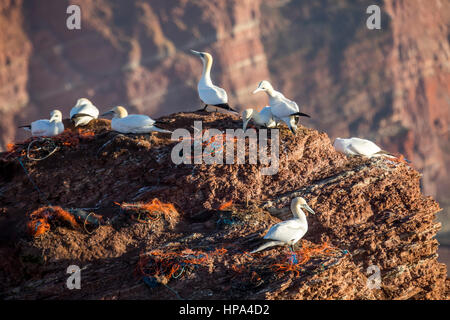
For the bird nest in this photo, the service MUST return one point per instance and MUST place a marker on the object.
(148, 212)
(41, 218)
(164, 266)
(245, 270)
(40, 148)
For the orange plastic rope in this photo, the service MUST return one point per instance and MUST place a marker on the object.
(303, 255)
(154, 209)
(39, 219)
(226, 205)
(172, 264)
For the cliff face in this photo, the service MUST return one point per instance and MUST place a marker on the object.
(15, 52)
(390, 85)
(421, 64)
(368, 213)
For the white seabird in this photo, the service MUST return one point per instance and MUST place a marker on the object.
(83, 112)
(356, 146)
(263, 118)
(290, 231)
(46, 128)
(134, 123)
(211, 95)
(281, 107)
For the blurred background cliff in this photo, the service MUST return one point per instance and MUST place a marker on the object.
(390, 85)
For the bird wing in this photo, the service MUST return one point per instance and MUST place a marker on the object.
(266, 116)
(40, 127)
(285, 231)
(132, 123)
(282, 107)
(90, 109)
(292, 105)
(74, 111)
(212, 95)
(363, 147)
(341, 145)
(139, 120)
(85, 109)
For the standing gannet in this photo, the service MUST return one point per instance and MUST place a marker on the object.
(83, 112)
(263, 118)
(134, 123)
(210, 94)
(357, 146)
(290, 231)
(281, 107)
(46, 128)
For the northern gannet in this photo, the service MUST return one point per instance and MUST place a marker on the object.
(281, 107)
(213, 96)
(263, 118)
(83, 112)
(290, 231)
(134, 123)
(357, 146)
(46, 128)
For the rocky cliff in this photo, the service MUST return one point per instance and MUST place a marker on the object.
(142, 227)
(390, 85)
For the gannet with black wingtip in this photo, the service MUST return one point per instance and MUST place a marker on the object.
(134, 123)
(281, 107)
(356, 146)
(263, 118)
(83, 112)
(46, 128)
(290, 231)
(211, 95)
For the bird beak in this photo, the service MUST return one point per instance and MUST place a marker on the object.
(107, 113)
(244, 125)
(308, 208)
(196, 53)
(53, 118)
(257, 90)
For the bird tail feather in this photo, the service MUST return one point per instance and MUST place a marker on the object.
(225, 106)
(300, 114)
(26, 127)
(161, 130)
(389, 155)
(79, 115)
(385, 153)
(268, 245)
